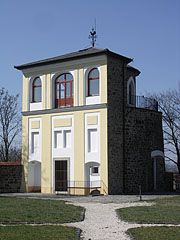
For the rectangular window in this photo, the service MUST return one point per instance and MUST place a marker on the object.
(67, 138)
(92, 140)
(58, 139)
(35, 142)
(94, 170)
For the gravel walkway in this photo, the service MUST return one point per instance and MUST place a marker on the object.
(102, 223)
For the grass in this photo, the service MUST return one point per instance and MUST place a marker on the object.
(23, 232)
(165, 210)
(14, 210)
(155, 233)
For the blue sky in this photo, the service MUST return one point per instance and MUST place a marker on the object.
(147, 31)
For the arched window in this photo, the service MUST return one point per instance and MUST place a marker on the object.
(64, 90)
(131, 93)
(36, 90)
(93, 82)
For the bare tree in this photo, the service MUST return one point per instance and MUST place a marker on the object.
(169, 105)
(10, 123)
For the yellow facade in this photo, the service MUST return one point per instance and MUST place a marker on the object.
(47, 160)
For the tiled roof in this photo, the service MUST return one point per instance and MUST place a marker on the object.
(74, 55)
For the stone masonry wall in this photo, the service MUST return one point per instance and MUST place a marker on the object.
(115, 125)
(11, 178)
(143, 134)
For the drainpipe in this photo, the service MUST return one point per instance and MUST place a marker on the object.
(154, 155)
(155, 174)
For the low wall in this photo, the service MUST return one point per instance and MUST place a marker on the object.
(11, 177)
(169, 181)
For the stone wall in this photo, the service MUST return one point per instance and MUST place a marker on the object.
(143, 134)
(11, 177)
(115, 125)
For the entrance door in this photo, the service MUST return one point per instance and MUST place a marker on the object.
(61, 175)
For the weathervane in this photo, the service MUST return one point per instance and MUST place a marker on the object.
(93, 35)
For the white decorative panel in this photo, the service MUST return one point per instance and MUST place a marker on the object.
(58, 139)
(92, 140)
(67, 138)
(35, 143)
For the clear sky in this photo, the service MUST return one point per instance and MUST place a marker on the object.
(147, 31)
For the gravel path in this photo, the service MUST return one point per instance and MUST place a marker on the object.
(102, 223)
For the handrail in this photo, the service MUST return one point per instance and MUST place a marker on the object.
(91, 185)
(142, 102)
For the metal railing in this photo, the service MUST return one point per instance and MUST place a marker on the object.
(142, 102)
(81, 187)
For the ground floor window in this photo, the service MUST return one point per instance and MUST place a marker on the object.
(94, 170)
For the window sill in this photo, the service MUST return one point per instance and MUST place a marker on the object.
(34, 106)
(92, 100)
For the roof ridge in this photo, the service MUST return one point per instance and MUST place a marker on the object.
(92, 51)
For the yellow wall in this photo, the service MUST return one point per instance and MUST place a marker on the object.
(35, 124)
(104, 83)
(81, 90)
(25, 97)
(92, 120)
(46, 155)
(79, 147)
(25, 149)
(63, 122)
(104, 147)
(76, 87)
(44, 91)
(49, 91)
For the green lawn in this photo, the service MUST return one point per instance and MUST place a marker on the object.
(14, 210)
(22, 232)
(155, 233)
(165, 210)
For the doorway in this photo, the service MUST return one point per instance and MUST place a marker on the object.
(61, 175)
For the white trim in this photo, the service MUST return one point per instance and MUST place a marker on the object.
(67, 64)
(34, 156)
(63, 153)
(92, 156)
(34, 173)
(93, 180)
(33, 106)
(89, 100)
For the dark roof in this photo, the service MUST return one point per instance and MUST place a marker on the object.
(133, 69)
(74, 55)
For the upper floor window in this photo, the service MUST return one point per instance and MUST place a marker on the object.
(131, 98)
(64, 90)
(131, 93)
(93, 82)
(36, 90)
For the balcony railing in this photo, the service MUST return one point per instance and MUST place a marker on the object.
(142, 102)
